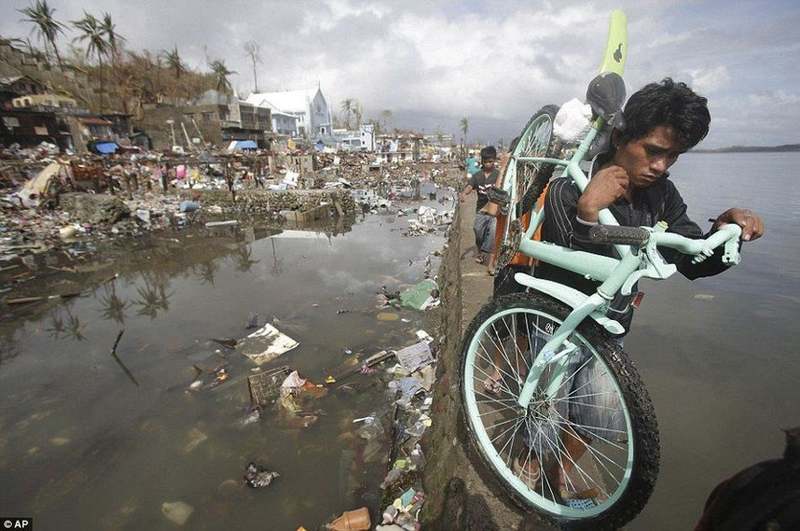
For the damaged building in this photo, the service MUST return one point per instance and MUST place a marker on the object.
(214, 118)
(308, 106)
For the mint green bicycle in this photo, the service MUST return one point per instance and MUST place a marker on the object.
(555, 409)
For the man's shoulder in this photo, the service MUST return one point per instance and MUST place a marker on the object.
(561, 187)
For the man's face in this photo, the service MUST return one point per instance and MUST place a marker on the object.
(488, 164)
(647, 159)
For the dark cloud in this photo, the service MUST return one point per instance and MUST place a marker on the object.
(494, 61)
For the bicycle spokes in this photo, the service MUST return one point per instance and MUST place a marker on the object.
(570, 447)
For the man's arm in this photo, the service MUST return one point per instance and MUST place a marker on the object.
(463, 195)
(564, 225)
(676, 217)
(468, 190)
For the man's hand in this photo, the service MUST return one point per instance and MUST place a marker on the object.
(605, 187)
(752, 224)
(463, 195)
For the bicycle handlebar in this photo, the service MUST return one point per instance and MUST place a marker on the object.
(617, 235)
(701, 249)
(726, 234)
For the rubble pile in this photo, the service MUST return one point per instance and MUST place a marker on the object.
(252, 201)
(94, 209)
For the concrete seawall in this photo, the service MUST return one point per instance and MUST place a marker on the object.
(460, 494)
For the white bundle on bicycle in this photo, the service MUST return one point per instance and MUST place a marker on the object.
(573, 121)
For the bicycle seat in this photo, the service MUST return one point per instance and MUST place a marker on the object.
(606, 94)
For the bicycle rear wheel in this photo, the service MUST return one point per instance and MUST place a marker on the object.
(536, 140)
(593, 441)
(525, 181)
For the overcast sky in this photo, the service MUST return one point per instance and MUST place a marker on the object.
(495, 62)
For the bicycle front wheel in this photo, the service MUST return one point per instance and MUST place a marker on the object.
(585, 450)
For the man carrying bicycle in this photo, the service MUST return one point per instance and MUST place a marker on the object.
(661, 122)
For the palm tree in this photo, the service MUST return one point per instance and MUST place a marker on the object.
(464, 123)
(347, 109)
(114, 39)
(252, 49)
(173, 59)
(41, 16)
(221, 74)
(94, 35)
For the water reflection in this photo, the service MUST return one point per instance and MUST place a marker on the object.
(113, 307)
(153, 296)
(9, 348)
(65, 326)
(206, 271)
(56, 327)
(244, 258)
(277, 263)
(74, 327)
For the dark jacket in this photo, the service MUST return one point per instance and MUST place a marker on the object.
(660, 201)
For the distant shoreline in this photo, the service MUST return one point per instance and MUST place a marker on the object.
(785, 148)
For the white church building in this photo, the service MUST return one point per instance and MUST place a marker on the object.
(308, 106)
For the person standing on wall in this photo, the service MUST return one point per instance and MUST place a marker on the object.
(484, 225)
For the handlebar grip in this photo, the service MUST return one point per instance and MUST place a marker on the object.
(613, 234)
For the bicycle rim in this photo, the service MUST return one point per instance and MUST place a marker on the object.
(534, 143)
(588, 409)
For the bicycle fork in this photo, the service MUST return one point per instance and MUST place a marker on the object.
(556, 352)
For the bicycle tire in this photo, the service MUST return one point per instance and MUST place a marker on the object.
(642, 429)
(536, 140)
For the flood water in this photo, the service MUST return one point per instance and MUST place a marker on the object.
(86, 443)
(720, 355)
(83, 447)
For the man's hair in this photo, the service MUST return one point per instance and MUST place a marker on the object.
(489, 152)
(667, 104)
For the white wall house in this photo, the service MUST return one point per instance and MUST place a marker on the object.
(308, 106)
(284, 124)
(361, 140)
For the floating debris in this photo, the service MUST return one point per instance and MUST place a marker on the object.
(266, 344)
(257, 476)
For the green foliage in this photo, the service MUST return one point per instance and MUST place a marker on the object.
(221, 73)
(174, 62)
(93, 35)
(42, 16)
